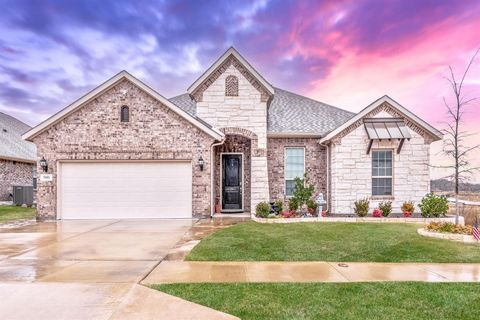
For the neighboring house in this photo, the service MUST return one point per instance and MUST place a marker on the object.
(17, 156)
(125, 151)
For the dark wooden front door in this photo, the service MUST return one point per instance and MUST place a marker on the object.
(232, 182)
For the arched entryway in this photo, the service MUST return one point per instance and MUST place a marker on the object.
(233, 170)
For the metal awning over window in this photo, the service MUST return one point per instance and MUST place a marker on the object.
(386, 129)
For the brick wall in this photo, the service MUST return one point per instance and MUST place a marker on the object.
(352, 170)
(14, 173)
(95, 132)
(315, 164)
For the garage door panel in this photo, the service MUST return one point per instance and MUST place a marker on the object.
(121, 190)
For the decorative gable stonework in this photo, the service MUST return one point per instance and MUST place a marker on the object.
(95, 132)
(392, 112)
(351, 166)
(231, 61)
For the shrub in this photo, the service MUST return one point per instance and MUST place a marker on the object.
(377, 213)
(293, 204)
(262, 210)
(448, 227)
(433, 206)
(303, 191)
(279, 205)
(385, 207)
(408, 206)
(361, 207)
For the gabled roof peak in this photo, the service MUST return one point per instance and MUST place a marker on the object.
(231, 51)
(122, 75)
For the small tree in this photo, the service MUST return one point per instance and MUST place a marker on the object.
(303, 190)
(454, 140)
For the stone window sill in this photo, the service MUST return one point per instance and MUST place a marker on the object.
(382, 198)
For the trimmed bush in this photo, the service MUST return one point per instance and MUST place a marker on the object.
(433, 206)
(361, 207)
(262, 210)
(385, 207)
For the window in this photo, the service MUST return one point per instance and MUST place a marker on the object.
(231, 86)
(125, 114)
(294, 167)
(382, 176)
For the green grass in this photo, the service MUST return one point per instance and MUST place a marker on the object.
(11, 213)
(385, 300)
(348, 242)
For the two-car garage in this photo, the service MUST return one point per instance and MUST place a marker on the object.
(124, 190)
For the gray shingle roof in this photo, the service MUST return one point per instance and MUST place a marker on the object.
(186, 103)
(12, 146)
(289, 113)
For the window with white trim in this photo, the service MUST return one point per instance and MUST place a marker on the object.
(382, 172)
(294, 167)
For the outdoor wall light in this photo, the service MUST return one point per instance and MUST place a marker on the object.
(201, 162)
(44, 164)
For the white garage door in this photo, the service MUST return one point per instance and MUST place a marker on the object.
(125, 190)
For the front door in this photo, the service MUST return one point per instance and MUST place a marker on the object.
(232, 182)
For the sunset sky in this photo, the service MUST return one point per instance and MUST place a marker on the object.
(345, 53)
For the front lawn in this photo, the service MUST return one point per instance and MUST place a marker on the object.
(349, 242)
(386, 300)
(11, 213)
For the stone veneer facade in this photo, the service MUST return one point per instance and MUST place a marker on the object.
(351, 167)
(315, 164)
(94, 132)
(235, 144)
(14, 173)
(245, 115)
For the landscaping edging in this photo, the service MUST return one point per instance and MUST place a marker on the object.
(447, 236)
(358, 219)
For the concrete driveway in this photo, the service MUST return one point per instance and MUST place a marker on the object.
(84, 269)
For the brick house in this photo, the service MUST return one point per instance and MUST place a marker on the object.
(17, 156)
(125, 151)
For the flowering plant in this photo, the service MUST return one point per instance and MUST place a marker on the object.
(377, 213)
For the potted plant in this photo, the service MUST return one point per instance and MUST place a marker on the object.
(407, 209)
(377, 213)
(361, 207)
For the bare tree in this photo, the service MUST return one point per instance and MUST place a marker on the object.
(454, 137)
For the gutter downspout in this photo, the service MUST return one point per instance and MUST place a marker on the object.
(328, 175)
(212, 171)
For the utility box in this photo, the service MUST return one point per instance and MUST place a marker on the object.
(23, 195)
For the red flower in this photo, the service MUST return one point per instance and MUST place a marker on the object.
(377, 213)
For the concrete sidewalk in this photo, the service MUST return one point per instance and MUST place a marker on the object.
(216, 272)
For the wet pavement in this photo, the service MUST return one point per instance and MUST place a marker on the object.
(250, 272)
(90, 269)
